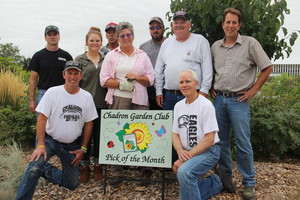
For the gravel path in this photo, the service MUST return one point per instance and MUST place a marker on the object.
(275, 181)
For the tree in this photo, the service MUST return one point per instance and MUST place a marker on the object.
(261, 19)
(11, 51)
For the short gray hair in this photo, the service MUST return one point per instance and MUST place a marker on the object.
(194, 74)
(124, 25)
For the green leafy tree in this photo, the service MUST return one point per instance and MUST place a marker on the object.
(261, 19)
(11, 51)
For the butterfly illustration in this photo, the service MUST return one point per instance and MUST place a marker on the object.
(110, 144)
(161, 131)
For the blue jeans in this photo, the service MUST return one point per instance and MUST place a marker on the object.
(232, 113)
(170, 100)
(67, 177)
(39, 96)
(190, 173)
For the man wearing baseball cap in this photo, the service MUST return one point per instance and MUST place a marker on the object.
(110, 30)
(152, 47)
(46, 66)
(63, 112)
(184, 50)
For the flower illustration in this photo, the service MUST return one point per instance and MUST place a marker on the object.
(141, 132)
(129, 144)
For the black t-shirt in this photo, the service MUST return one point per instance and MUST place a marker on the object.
(49, 65)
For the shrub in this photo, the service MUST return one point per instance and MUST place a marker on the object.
(12, 88)
(17, 124)
(275, 119)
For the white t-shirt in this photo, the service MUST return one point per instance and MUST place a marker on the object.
(66, 113)
(193, 121)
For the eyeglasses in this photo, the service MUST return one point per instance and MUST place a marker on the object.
(155, 27)
(128, 35)
(110, 26)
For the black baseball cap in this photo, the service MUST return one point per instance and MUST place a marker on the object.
(181, 14)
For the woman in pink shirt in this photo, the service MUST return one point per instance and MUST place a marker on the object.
(126, 72)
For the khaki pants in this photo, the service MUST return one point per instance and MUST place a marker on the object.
(121, 103)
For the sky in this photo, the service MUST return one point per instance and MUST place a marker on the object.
(23, 21)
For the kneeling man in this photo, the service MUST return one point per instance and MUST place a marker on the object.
(63, 112)
(194, 139)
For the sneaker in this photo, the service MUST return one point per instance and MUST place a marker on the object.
(98, 173)
(249, 193)
(84, 174)
(226, 181)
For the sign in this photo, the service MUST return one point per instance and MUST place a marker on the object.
(136, 137)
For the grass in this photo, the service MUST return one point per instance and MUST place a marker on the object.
(12, 88)
(11, 170)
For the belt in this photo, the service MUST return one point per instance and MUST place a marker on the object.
(176, 92)
(228, 94)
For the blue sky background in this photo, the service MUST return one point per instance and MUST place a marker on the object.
(23, 22)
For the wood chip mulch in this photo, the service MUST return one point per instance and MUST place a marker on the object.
(275, 181)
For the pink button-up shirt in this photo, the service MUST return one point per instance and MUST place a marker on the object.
(141, 67)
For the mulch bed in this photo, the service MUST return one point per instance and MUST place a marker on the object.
(275, 181)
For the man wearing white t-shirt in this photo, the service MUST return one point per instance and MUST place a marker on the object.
(195, 133)
(63, 112)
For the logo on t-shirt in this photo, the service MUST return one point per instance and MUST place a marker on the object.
(71, 113)
(189, 122)
(62, 59)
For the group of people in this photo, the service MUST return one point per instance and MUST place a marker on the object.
(176, 73)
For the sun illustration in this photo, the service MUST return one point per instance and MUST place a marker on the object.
(142, 135)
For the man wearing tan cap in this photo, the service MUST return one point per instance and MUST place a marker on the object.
(152, 47)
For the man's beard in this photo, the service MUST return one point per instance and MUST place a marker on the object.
(158, 38)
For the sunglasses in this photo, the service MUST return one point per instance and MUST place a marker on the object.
(110, 26)
(128, 35)
(72, 63)
(155, 27)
